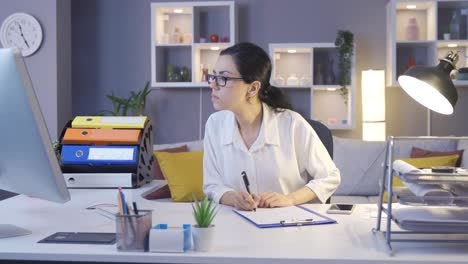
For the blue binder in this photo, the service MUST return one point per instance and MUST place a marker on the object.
(284, 217)
(99, 155)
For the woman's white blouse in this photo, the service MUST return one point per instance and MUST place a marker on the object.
(286, 156)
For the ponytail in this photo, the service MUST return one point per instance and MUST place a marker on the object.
(274, 97)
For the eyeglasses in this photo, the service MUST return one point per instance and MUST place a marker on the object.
(220, 80)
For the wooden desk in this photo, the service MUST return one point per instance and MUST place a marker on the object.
(237, 241)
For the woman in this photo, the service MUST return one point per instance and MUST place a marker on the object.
(256, 133)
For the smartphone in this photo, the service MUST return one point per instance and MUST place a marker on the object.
(341, 209)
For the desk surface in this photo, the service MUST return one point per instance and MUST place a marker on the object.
(237, 241)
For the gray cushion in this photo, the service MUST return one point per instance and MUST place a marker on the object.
(360, 163)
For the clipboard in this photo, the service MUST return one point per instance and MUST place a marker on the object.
(284, 217)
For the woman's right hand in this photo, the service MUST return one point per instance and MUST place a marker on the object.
(240, 200)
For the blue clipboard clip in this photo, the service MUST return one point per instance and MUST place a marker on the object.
(297, 223)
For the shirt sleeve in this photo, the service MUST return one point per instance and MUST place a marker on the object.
(317, 162)
(212, 181)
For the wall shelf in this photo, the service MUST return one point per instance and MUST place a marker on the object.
(314, 66)
(180, 40)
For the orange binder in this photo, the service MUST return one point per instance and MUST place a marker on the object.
(101, 136)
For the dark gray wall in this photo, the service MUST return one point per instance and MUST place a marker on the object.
(49, 68)
(111, 53)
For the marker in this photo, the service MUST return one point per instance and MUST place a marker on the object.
(246, 183)
(124, 204)
(135, 208)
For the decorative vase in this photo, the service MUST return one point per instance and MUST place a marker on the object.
(203, 238)
(185, 74)
(176, 36)
(412, 30)
(411, 62)
(214, 38)
(292, 80)
(331, 78)
(305, 80)
(318, 78)
(279, 80)
(455, 26)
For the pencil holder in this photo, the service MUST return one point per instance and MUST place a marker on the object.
(132, 231)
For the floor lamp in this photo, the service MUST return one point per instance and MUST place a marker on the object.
(373, 105)
(432, 86)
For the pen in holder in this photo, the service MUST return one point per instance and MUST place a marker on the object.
(132, 231)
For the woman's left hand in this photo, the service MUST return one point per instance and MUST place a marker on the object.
(274, 199)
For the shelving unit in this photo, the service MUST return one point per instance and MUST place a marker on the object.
(314, 66)
(411, 229)
(424, 44)
(181, 43)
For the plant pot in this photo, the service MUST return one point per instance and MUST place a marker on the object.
(446, 36)
(203, 238)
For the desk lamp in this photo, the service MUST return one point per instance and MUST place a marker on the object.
(432, 86)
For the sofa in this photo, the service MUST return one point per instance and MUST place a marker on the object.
(361, 163)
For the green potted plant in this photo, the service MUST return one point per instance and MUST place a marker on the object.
(204, 212)
(345, 45)
(446, 35)
(133, 105)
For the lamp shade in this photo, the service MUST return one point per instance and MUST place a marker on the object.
(373, 105)
(432, 86)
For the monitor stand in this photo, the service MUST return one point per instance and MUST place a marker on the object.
(12, 231)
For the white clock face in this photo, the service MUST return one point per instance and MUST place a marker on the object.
(21, 31)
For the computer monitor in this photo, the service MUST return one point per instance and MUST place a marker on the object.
(28, 164)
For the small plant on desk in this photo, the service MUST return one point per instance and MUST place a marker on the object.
(204, 212)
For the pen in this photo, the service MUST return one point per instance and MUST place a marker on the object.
(135, 208)
(296, 223)
(246, 183)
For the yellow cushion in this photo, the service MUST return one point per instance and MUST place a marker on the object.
(184, 174)
(449, 161)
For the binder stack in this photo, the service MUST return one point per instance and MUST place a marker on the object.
(107, 152)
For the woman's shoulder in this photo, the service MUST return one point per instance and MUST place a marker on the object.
(219, 117)
(290, 116)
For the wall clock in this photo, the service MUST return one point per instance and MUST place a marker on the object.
(22, 31)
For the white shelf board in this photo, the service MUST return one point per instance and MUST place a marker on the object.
(174, 45)
(420, 5)
(208, 46)
(414, 42)
(325, 87)
(445, 43)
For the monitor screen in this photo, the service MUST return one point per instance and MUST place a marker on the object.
(28, 164)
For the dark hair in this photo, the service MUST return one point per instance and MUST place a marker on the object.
(254, 64)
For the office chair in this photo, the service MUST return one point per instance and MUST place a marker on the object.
(325, 136)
